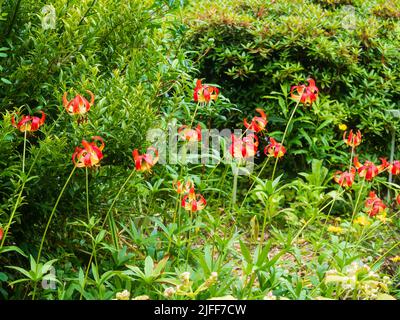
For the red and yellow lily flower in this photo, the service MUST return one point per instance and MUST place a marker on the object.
(305, 94)
(395, 168)
(274, 149)
(193, 202)
(242, 148)
(353, 140)
(345, 179)
(384, 165)
(1, 233)
(204, 93)
(144, 162)
(29, 123)
(374, 204)
(398, 199)
(78, 105)
(369, 170)
(257, 123)
(190, 135)
(182, 187)
(90, 155)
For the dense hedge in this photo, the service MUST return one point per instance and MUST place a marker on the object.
(252, 48)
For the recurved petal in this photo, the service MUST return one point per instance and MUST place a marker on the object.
(43, 118)
(91, 97)
(65, 100)
(98, 138)
(35, 123)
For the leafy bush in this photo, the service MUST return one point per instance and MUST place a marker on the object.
(252, 49)
(117, 54)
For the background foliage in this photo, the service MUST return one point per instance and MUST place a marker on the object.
(252, 48)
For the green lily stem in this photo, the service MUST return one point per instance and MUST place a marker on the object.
(102, 226)
(234, 189)
(358, 201)
(188, 240)
(88, 211)
(254, 181)
(284, 136)
(354, 211)
(333, 202)
(87, 194)
(117, 196)
(179, 225)
(48, 224)
(194, 114)
(327, 218)
(24, 152)
(263, 227)
(53, 212)
(177, 207)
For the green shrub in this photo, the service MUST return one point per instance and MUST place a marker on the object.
(252, 49)
(114, 49)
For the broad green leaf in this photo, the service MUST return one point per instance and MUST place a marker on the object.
(148, 266)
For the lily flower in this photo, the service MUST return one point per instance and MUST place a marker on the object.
(257, 123)
(345, 179)
(374, 204)
(182, 187)
(274, 149)
(369, 170)
(190, 135)
(353, 140)
(305, 94)
(90, 155)
(1, 233)
(384, 165)
(242, 148)
(204, 92)
(398, 199)
(29, 123)
(78, 105)
(395, 168)
(144, 162)
(193, 202)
